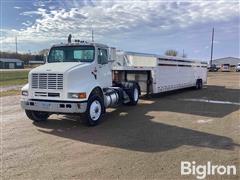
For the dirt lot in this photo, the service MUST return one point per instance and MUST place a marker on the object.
(144, 142)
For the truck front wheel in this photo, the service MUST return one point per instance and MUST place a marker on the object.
(95, 109)
(37, 116)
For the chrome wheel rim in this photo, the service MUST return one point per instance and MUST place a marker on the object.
(95, 110)
(135, 95)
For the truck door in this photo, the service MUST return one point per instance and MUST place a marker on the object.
(104, 72)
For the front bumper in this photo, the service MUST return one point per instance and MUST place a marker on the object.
(54, 107)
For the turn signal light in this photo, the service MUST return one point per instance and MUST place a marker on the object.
(82, 95)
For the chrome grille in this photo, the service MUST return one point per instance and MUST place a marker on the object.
(47, 81)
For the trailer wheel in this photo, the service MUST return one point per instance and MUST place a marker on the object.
(134, 94)
(199, 84)
(94, 112)
(37, 116)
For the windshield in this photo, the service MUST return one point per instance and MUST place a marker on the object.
(71, 54)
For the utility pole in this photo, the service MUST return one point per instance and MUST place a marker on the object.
(212, 47)
(92, 36)
(16, 44)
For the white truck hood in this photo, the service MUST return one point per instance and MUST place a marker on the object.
(56, 67)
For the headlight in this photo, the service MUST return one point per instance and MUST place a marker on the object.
(74, 95)
(81, 95)
(25, 93)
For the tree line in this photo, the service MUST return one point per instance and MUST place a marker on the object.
(172, 52)
(26, 57)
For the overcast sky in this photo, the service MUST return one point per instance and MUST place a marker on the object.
(141, 26)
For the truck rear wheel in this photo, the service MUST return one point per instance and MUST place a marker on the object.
(95, 109)
(133, 94)
(133, 91)
(37, 116)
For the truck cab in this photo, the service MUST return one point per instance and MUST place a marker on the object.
(76, 79)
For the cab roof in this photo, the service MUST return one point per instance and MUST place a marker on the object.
(80, 43)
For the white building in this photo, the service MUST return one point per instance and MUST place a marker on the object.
(226, 60)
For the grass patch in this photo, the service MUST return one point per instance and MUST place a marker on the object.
(10, 92)
(10, 78)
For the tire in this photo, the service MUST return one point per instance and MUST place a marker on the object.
(133, 94)
(129, 87)
(37, 116)
(94, 111)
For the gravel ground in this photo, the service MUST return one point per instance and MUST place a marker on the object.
(147, 141)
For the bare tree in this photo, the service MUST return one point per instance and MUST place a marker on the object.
(44, 52)
(171, 52)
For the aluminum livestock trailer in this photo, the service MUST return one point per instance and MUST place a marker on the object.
(157, 74)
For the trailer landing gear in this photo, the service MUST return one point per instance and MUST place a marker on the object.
(199, 84)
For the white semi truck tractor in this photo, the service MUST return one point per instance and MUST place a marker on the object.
(76, 79)
(86, 78)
